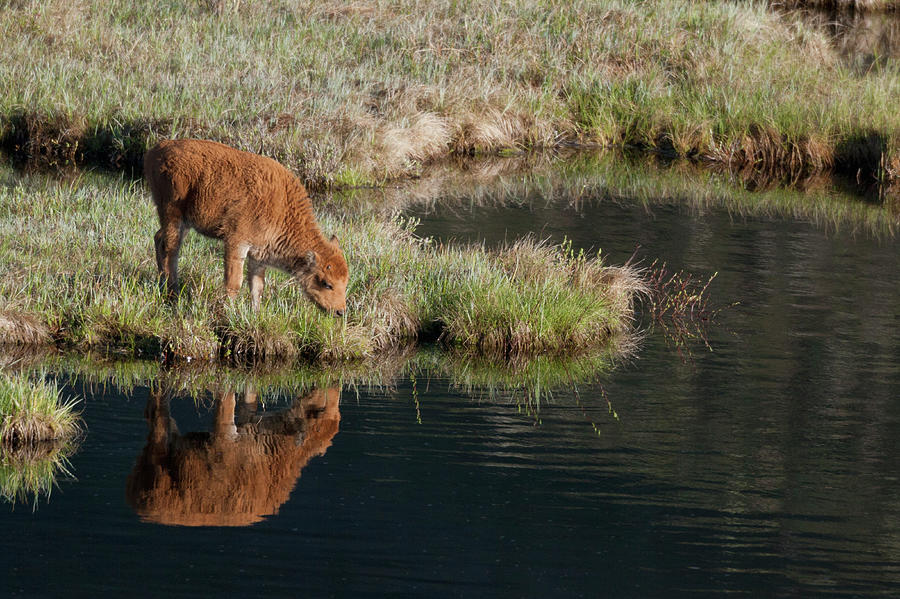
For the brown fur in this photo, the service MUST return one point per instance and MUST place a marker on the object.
(255, 205)
(238, 473)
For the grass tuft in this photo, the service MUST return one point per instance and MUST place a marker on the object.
(18, 328)
(33, 412)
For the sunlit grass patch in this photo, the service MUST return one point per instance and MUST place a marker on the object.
(87, 276)
(33, 411)
(511, 316)
(482, 301)
(289, 326)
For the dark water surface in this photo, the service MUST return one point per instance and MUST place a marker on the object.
(769, 467)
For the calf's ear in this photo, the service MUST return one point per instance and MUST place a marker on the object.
(334, 242)
(310, 258)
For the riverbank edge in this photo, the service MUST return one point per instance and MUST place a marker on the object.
(525, 300)
(23, 331)
(37, 141)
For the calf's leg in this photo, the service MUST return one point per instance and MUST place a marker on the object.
(256, 274)
(168, 244)
(234, 267)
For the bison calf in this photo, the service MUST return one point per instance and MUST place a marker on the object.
(252, 203)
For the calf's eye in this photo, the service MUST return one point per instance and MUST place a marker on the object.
(326, 285)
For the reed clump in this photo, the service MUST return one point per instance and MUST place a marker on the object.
(350, 94)
(679, 304)
(580, 181)
(33, 412)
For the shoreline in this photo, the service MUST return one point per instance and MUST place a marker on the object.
(49, 144)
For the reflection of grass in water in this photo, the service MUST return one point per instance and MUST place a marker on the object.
(531, 381)
(535, 377)
(30, 471)
(33, 411)
(99, 372)
(584, 178)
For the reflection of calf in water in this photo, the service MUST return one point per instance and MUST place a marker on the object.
(241, 471)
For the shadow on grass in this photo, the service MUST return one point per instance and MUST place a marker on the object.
(39, 141)
(863, 156)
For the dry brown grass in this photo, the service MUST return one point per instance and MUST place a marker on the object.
(19, 328)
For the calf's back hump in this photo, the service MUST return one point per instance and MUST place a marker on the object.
(215, 186)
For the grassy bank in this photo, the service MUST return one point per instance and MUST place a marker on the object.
(76, 269)
(33, 412)
(356, 93)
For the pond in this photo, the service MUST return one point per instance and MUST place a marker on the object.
(767, 464)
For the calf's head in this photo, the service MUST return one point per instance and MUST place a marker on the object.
(324, 277)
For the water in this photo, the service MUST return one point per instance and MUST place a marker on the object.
(769, 466)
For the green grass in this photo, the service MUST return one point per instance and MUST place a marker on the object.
(357, 93)
(33, 411)
(77, 268)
